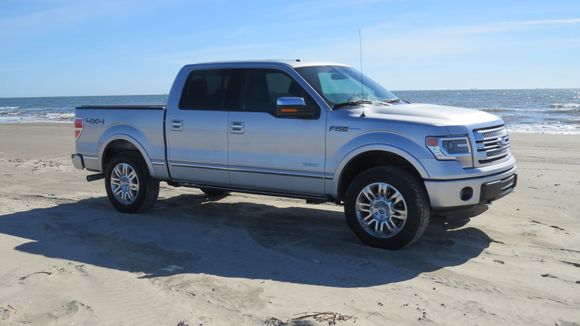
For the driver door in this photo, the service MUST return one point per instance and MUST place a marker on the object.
(284, 155)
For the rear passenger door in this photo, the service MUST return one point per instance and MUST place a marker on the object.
(197, 131)
(284, 155)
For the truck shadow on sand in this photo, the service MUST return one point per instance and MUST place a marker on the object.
(191, 234)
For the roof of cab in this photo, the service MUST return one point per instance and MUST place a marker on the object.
(292, 63)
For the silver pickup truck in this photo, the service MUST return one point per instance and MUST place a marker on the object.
(311, 130)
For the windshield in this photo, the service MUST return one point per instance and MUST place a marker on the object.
(340, 84)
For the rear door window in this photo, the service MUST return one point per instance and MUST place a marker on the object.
(215, 89)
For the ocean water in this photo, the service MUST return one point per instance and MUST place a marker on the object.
(62, 109)
(555, 111)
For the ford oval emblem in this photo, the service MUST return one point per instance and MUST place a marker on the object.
(503, 142)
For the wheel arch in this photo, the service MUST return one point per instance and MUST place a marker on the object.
(122, 143)
(367, 157)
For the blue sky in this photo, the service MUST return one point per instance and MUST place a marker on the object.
(116, 47)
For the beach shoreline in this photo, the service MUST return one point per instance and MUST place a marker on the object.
(68, 257)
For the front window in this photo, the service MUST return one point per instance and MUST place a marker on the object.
(263, 87)
(340, 84)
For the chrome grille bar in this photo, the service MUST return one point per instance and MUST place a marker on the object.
(492, 144)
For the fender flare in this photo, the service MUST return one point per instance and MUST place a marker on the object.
(123, 136)
(373, 147)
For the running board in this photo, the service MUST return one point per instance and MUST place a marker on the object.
(310, 198)
(95, 177)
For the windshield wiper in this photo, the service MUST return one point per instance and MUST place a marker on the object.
(351, 103)
(391, 100)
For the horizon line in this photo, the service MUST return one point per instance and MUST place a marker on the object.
(398, 90)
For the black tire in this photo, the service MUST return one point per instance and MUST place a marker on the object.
(214, 192)
(414, 194)
(148, 187)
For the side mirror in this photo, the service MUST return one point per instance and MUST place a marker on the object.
(293, 107)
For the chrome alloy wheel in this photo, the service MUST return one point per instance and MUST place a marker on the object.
(124, 183)
(381, 210)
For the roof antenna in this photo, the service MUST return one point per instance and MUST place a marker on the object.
(362, 88)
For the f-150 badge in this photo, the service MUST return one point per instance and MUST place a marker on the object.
(338, 128)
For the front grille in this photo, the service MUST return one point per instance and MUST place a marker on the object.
(492, 143)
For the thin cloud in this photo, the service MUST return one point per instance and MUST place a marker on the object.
(517, 25)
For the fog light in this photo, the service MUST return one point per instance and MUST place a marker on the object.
(466, 193)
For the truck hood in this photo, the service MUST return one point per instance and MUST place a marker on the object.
(438, 115)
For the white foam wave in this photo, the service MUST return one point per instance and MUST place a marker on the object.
(566, 105)
(539, 128)
(22, 116)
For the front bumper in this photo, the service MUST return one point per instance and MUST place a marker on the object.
(78, 162)
(445, 194)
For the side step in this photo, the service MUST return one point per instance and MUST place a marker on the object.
(95, 177)
(310, 199)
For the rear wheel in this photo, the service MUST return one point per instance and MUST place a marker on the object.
(129, 185)
(214, 192)
(387, 207)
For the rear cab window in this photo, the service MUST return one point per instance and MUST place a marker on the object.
(214, 89)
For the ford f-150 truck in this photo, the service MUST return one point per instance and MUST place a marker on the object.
(311, 130)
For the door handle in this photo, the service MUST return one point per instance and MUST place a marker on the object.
(177, 125)
(237, 127)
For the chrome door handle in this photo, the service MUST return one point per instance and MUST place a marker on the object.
(177, 125)
(237, 127)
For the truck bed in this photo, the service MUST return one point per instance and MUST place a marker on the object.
(140, 125)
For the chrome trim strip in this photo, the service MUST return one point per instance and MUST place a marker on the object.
(313, 175)
(488, 129)
(243, 169)
(198, 166)
(507, 182)
(158, 163)
(512, 169)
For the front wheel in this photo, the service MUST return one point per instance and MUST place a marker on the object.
(129, 185)
(387, 207)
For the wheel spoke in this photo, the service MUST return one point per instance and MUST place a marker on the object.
(392, 226)
(383, 190)
(383, 225)
(117, 172)
(396, 197)
(400, 214)
(369, 194)
(368, 218)
(389, 226)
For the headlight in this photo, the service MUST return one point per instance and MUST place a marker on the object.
(451, 148)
